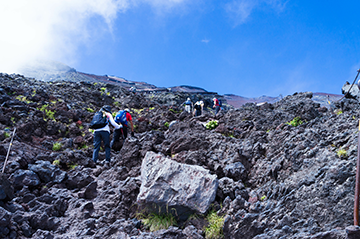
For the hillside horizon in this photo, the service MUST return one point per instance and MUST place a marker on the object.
(56, 71)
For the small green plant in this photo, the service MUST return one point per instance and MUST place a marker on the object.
(56, 162)
(263, 198)
(7, 135)
(56, 146)
(174, 111)
(72, 166)
(50, 114)
(215, 228)
(295, 122)
(151, 108)
(23, 99)
(81, 127)
(342, 153)
(166, 124)
(43, 107)
(157, 222)
(90, 110)
(103, 89)
(116, 103)
(339, 112)
(211, 124)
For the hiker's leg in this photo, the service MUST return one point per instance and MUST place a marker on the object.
(106, 139)
(97, 143)
(116, 137)
(125, 131)
(217, 108)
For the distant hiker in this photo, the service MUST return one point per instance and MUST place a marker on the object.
(216, 105)
(100, 124)
(133, 89)
(123, 117)
(188, 105)
(198, 108)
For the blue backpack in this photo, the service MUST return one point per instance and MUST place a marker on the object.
(220, 103)
(121, 117)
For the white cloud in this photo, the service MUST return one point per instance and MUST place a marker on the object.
(54, 29)
(205, 40)
(240, 10)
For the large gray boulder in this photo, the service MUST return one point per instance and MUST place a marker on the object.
(170, 185)
(48, 172)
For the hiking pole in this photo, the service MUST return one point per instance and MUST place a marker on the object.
(356, 203)
(8, 152)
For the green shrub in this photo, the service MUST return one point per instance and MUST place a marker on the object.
(263, 198)
(90, 110)
(295, 122)
(211, 124)
(56, 162)
(50, 114)
(174, 111)
(342, 153)
(157, 222)
(56, 146)
(72, 166)
(7, 135)
(166, 124)
(215, 228)
(339, 112)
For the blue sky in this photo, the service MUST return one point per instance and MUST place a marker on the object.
(244, 47)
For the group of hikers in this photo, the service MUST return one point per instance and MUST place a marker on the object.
(100, 124)
(198, 107)
(123, 121)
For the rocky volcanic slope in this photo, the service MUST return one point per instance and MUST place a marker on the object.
(275, 180)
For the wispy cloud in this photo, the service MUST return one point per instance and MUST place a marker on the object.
(205, 40)
(43, 29)
(240, 10)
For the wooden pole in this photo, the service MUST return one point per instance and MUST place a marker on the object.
(8, 152)
(357, 184)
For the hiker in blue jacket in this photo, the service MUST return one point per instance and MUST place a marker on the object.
(188, 105)
(123, 117)
(104, 135)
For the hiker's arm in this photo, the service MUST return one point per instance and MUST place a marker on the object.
(132, 126)
(112, 121)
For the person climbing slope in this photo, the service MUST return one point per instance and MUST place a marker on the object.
(198, 108)
(188, 105)
(123, 117)
(216, 105)
(100, 124)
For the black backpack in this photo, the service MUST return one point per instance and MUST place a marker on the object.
(98, 121)
(197, 107)
(220, 103)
